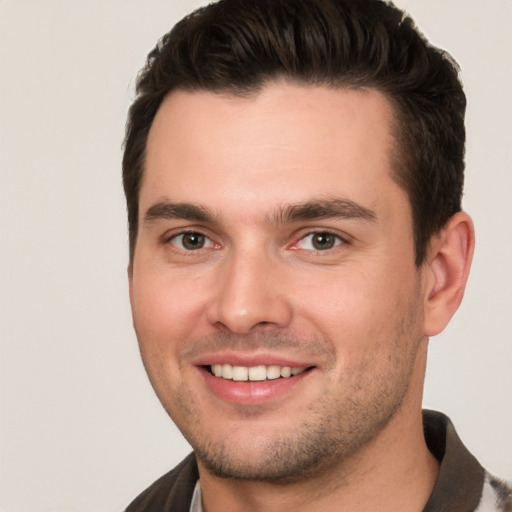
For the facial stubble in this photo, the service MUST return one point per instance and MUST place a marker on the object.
(328, 432)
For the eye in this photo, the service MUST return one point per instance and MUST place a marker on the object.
(191, 241)
(322, 241)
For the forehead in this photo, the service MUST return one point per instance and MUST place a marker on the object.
(287, 140)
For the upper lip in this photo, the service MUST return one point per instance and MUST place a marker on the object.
(250, 359)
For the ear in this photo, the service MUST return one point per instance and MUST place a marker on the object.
(448, 264)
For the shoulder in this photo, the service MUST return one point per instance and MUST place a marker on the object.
(173, 491)
(496, 496)
(462, 483)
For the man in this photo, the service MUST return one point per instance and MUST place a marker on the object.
(293, 172)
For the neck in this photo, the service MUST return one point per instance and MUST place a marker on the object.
(395, 472)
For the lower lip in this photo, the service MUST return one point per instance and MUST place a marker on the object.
(251, 392)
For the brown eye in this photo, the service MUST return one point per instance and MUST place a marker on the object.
(321, 241)
(191, 241)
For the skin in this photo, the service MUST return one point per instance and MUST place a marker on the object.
(259, 177)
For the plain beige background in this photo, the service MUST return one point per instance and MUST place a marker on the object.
(81, 430)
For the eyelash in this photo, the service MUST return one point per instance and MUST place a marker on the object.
(337, 241)
(182, 234)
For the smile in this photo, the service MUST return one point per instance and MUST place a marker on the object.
(254, 373)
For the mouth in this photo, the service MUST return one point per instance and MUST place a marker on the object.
(254, 373)
(253, 379)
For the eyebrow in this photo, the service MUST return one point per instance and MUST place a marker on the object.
(165, 210)
(310, 210)
(322, 209)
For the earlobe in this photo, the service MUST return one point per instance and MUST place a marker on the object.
(447, 270)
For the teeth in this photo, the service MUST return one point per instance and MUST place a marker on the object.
(254, 373)
(227, 371)
(286, 371)
(239, 373)
(257, 373)
(217, 370)
(273, 372)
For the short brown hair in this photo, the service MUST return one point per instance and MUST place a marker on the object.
(239, 45)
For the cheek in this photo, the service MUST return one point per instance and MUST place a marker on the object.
(341, 299)
(164, 317)
(360, 312)
(166, 306)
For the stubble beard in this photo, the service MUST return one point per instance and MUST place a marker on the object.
(312, 450)
(330, 432)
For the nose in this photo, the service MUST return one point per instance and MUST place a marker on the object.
(250, 295)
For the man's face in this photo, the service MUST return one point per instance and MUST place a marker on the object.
(273, 239)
